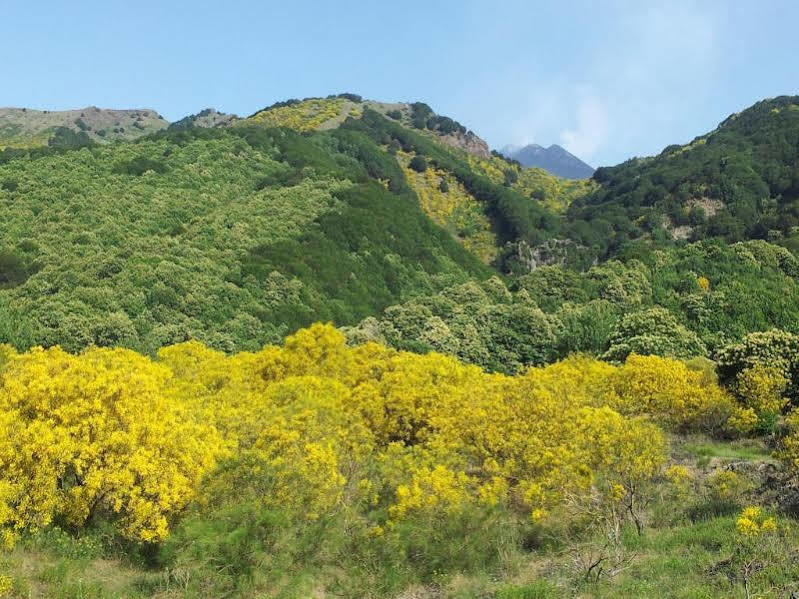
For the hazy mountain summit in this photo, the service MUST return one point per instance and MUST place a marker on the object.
(553, 159)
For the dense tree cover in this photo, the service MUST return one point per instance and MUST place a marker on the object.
(525, 205)
(66, 138)
(235, 237)
(679, 302)
(741, 181)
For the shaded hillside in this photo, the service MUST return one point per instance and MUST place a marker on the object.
(498, 209)
(233, 236)
(740, 181)
(554, 160)
(22, 127)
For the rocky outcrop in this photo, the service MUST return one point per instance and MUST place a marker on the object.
(554, 252)
(469, 142)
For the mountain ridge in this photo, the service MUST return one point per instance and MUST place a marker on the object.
(554, 159)
(26, 127)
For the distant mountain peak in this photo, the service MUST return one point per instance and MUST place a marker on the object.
(554, 159)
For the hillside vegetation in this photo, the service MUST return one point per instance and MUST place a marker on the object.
(235, 237)
(680, 302)
(741, 181)
(22, 127)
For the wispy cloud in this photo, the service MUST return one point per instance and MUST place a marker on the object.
(652, 63)
(591, 130)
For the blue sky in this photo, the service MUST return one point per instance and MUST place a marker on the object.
(607, 80)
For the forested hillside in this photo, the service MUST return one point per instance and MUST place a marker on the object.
(679, 302)
(740, 181)
(241, 234)
(235, 237)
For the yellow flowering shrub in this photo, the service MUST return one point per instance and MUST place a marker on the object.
(429, 489)
(752, 522)
(790, 443)
(762, 389)
(672, 394)
(742, 420)
(725, 486)
(680, 479)
(315, 426)
(307, 115)
(81, 435)
(6, 586)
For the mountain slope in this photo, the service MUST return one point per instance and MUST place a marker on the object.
(22, 127)
(494, 204)
(237, 233)
(233, 236)
(210, 118)
(740, 181)
(554, 160)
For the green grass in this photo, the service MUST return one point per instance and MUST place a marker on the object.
(744, 450)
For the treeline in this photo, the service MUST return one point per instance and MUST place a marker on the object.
(697, 300)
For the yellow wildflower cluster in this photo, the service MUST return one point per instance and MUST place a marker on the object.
(6, 586)
(752, 522)
(678, 397)
(680, 479)
(82, 435)
(726, 486)
(317, 425)
(762, 389)
(308, 115)
(455, 209)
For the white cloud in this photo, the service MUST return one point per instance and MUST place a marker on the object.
(591, 130)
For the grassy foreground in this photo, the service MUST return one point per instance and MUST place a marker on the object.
(689, 548)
